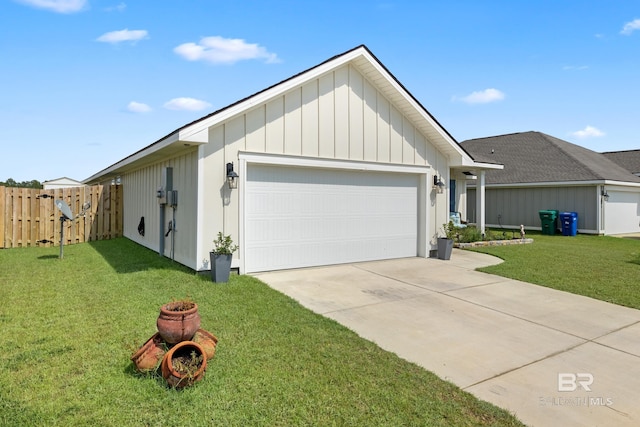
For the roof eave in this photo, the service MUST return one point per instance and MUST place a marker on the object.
(144, 155)
(563, 184)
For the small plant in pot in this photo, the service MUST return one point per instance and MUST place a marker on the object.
(445, 242)
(221, 255)
(184, 364)
(178, 321)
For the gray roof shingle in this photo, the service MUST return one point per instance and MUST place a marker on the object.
(530, 157)
(630, 160)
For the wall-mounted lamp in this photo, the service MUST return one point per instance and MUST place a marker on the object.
(232, 177)
(438, 185)
(604, 195)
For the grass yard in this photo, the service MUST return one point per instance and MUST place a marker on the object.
(70, 326)
(601, 267)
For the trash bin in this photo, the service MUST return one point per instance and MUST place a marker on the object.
(569, 223)
(549, 220)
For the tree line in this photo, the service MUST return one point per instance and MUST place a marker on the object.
(24, 184)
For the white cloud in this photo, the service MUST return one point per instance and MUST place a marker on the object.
(219, 50)
(588, 132)
(138, 107)
(575, 67)
(60, 6)
(189, 104)
(482, 97)
(119, 8)
(123, 36)
(630, 27)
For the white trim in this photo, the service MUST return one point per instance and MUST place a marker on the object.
(269, 94)
(477, 165)
(200, 213)
(146, 151)
(242, 184)
(299, 161)
(560, 184)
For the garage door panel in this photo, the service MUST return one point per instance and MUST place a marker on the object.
(304, 217)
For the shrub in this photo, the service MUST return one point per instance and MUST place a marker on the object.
(471, 234)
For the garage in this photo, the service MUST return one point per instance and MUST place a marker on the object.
(336, 164)
(622, 211)
(301, 217)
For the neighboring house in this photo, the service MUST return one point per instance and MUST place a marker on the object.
(63, 182)
(542, 172)
(336, 164)
(630, 160)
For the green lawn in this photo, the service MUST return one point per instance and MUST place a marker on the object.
(602, 267)
(68, 328)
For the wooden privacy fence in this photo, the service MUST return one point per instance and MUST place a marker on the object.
(29, 217)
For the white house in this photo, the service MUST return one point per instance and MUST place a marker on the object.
(336, 164)
(62, 182)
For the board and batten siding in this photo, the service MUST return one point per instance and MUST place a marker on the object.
(140, 200)
(339, 115)
(522, 205)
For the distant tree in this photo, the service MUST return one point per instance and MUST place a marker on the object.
(25, 184)
(34, 183)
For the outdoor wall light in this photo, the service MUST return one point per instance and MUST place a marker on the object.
(605, 195)
(232, 177)
(438, 185)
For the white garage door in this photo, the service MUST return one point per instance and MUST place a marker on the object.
(622, 212)
(301, 217)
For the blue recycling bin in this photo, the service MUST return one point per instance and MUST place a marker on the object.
(569, 223)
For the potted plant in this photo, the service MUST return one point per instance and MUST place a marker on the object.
(184, 364)
(445, 243)
(178, 321)
(221, 255)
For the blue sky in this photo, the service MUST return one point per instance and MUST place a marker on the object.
(85, 83)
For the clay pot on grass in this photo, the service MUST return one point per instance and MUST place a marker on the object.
(150, 354)
(207, 341)
(184, 364)
(178, 321)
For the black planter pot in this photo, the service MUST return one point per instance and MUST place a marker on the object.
(445, 247)
(220, 267)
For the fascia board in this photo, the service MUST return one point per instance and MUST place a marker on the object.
(564, 184)
(471, 164)
(188, 133)
(171, 139)
(419, 109)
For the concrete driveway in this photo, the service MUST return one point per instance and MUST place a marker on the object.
(549, 357)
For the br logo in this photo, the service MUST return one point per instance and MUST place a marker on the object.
(571, 382)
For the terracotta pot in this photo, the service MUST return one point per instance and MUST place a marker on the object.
(207, 341)
(178, 321)
(150, 354)
(177, 378)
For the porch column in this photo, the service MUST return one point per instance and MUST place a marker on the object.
(480, 213)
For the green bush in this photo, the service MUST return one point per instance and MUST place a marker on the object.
(472, 234)
(467, 235)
